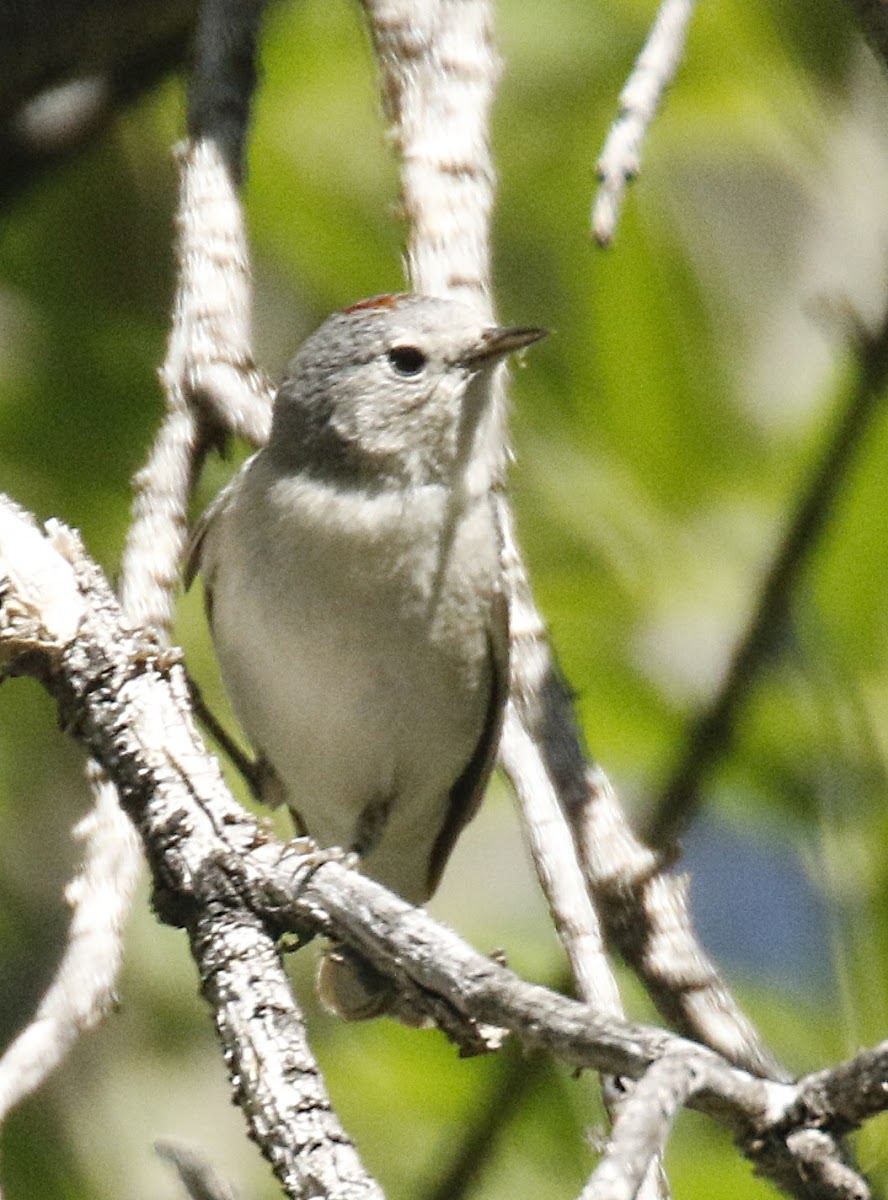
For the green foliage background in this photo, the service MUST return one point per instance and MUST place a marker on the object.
(662, 435)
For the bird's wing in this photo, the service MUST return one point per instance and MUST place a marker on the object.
(261, 777)
(196, 539)
(201, 526)
(468, 791)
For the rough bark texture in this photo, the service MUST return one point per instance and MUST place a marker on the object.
(222, 877)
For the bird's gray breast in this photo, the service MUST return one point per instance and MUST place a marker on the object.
(357, 661)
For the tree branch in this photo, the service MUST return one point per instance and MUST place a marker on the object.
(125, 698)
(223, 878)
(210, 384)
(642, 1127)
(640, 100)
(438, 71)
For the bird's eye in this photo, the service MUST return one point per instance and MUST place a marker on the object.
(407, 360)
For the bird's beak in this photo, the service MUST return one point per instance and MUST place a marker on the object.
(500, 340)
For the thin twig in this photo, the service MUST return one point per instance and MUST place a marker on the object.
(82, 990)
(711, 733)
(523, 755)
(642, 1127)
(640, 100)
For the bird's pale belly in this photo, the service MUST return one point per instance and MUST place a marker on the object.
(381, 717)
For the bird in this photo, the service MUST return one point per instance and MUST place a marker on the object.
(355, 594)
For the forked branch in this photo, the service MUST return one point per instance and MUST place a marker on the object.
(234, 889)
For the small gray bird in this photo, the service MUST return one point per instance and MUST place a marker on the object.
(355, 594)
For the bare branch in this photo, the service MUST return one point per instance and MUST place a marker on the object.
(642, 907)
(554, 855)
(439, 71)
(646, 914)
(530, 741)
(274, 1076)
(642, 1127)
(181, 815)
(211, 384)
(640, 99)
(851, 1092)
(225, 879)
(209, 366)
(81, 992)
(539, 731)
